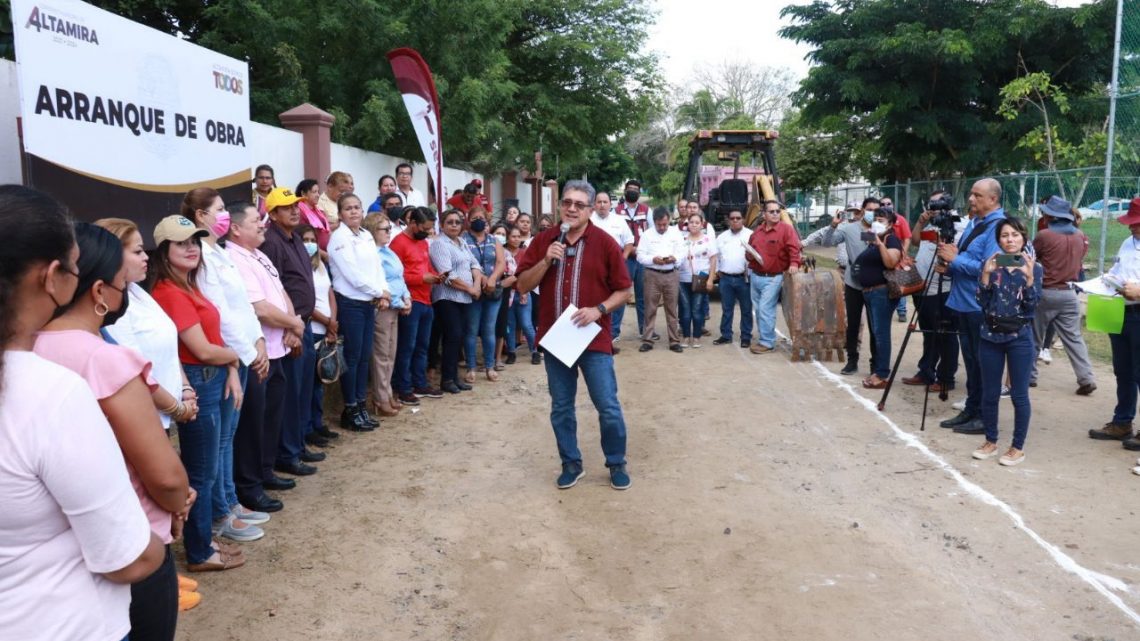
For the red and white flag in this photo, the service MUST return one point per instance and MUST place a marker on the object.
(413, 79)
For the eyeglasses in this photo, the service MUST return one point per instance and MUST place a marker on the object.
(383, 229)
(574, 204)
(403, 173)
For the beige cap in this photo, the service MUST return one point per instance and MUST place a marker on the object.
(176, 229)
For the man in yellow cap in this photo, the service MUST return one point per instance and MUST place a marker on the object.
(284, 247)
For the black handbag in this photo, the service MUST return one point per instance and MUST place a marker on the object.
(1005, 324)
(330, 360)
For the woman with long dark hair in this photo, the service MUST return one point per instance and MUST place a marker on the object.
(870, 267)
(121, 380)
(73, 532)
(213, 372)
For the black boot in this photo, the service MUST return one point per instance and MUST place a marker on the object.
(365, 417)
(351, 420)
(852, 365)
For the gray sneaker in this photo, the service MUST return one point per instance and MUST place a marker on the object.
(237, 530)
(252, 517)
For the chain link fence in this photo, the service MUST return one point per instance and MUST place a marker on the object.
(1084, 187)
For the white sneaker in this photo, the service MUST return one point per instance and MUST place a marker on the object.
(235, 529)
(1136, 470)
(959, 405)
(1045, 356)
(252, 517)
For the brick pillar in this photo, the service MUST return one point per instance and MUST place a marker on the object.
(555, 210)
(315, 127)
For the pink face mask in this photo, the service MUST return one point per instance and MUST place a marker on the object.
(221, 223)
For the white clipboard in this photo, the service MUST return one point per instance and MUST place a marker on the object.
(565, 340)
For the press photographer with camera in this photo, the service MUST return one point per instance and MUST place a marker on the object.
(938, 364)
(883, 252)
(1008, 292)
(849, 236)
(963, 262)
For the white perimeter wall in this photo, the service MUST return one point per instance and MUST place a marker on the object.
(10, 171)
(281, 149)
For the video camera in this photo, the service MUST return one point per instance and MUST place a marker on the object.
(944, 216)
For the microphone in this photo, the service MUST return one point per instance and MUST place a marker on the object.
(564, 228)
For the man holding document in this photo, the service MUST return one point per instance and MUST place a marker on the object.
(580, 266)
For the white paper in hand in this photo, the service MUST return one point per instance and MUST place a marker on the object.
(565, 340)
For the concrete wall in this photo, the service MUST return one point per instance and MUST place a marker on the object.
(280, 149)
(10, 171)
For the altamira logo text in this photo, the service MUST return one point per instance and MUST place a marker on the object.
(42, 20)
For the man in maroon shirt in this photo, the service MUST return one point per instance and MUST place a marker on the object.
(778, 247)
(413, 332)
(587, 271)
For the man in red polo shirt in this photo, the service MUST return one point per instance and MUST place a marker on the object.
(591, 275)
(778, 247)
(409, 377)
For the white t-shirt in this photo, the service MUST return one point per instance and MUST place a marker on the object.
(321, 286)
(731, 258)
(147, 329)
(69, 512)
(698, 257)
(413, 198)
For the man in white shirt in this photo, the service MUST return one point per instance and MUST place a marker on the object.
(411, 196)
(659, 250)
(618, 229)
(732, 272)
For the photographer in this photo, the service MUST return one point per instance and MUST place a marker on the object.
(939, 362)
(881, 254)
(849, 235)
(963, 261)
(1010, 286)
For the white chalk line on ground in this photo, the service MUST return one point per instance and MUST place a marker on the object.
(1102, 583)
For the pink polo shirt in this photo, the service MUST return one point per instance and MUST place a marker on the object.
(262, 283)
(107, 369)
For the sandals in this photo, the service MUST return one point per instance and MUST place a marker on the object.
(874, 382)
(384, 410)
(499, 366)
(469, 377)
(217, 562)
(492, 375)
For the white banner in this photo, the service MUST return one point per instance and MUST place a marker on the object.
(119, 102)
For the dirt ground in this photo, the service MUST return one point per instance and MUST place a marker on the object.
(768, 502)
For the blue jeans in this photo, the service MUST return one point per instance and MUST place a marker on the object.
(412, 336)
(765, 291)
(616, 318)
(357, 319)
(307, 369)
(198, 442)
(970, 330)
(1126, 365)
(313, 409)
(734, 289)
(481, 317)
(225, 494)
(598, 371)
(879, 308)
(1020, 354)
(519, 316)
(692, 311)
(638, 278)
(292, 439)
(900, 305)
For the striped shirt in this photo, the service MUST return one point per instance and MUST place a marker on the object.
(452, 256)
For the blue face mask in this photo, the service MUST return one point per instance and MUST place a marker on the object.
(311, 248)
(869, 217)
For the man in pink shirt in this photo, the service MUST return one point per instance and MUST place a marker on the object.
(259, 429)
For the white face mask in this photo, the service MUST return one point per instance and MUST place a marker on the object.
(869, 217)
(878, 228)
(502, 240)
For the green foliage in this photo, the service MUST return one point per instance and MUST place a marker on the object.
(808, 157)
(606, 166)
(922, 81)
(512, 76)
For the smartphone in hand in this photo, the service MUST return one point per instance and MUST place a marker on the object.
(867, 236)
(1010, 260)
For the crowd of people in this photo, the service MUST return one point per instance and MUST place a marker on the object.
(224, 331)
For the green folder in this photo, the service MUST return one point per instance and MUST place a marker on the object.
(1105, 313)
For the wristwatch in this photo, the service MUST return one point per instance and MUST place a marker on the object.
(602, 309)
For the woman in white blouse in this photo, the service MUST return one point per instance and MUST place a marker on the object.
(360, 289)
(700, 261)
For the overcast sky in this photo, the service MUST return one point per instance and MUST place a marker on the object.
(689, 34)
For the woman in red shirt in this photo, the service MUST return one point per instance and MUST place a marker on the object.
(212, 370)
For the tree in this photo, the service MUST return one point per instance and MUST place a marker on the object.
(513, 76)
(763, 92)
(921, 80)
(809, 158)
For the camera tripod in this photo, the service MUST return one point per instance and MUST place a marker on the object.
(938, 331)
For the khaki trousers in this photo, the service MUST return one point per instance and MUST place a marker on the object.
(383, 355)
(662, 288)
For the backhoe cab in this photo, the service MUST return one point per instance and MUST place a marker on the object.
(719, 194)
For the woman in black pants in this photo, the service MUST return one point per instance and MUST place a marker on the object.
(462, 283)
